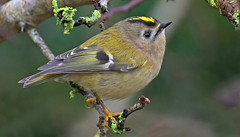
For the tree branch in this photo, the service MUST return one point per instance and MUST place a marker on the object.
(15, 14)
(37, 39)
(114, 11)
(106, 15)
(229, 9)
(96, 104)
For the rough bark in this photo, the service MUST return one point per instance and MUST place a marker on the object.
(229, 9)
(15, 15)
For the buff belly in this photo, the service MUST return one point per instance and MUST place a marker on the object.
(115, 85)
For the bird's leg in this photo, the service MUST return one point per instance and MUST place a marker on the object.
(109, 116)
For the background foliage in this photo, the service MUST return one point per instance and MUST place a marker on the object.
(196, 93)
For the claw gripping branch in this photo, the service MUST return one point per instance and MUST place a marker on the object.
(119, 127)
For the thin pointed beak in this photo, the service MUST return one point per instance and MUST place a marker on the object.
(164, 25)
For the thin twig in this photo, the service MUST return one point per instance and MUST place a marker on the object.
(101, 26)
(103, 4)
(37, 39)
(114, 11)
(101, 7)
(127, 112)
(140, 105)
(106, 15)
(101, 127)
(96, 104)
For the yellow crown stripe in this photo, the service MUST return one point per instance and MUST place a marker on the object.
(146, 19)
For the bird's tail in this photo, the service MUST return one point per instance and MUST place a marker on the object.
(37, 79)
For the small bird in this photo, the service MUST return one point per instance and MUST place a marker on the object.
(113, 64)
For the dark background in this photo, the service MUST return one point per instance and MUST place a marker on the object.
(196, 93)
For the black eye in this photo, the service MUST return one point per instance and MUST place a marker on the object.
(147, 34)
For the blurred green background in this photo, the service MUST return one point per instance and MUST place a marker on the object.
(196, 93)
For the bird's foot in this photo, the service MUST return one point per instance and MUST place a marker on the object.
(110, 117)
(90, 102)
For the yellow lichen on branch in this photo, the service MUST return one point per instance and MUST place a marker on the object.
(15, 15)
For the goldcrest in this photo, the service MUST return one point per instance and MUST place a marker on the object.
(113, 64)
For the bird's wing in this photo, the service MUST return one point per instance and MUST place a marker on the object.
(84, 60)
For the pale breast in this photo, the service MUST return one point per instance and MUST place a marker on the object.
(116, 85)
